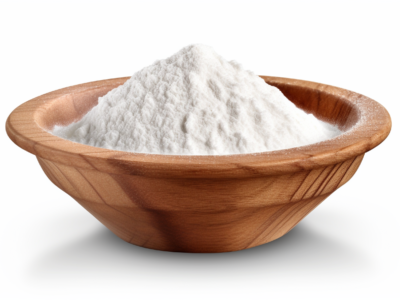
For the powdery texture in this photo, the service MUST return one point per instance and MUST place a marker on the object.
(196, 103)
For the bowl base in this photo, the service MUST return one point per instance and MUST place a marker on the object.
(180, 231)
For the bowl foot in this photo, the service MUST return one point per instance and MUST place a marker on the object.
(181, 231)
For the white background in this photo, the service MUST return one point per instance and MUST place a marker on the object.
(348, 248)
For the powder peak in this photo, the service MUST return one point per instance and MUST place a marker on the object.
(196, 103)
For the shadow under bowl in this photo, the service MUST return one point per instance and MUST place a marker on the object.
(201, 203)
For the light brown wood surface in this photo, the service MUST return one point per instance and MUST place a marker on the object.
(201, 203)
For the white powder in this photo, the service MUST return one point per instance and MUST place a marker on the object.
(196, 103)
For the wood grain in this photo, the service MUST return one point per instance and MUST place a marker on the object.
(201, 203)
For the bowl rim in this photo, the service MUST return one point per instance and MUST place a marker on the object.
(372, 128)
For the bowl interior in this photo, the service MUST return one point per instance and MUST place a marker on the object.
(70, 108)
(330, 108)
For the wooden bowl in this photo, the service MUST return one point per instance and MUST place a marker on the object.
(201, 203)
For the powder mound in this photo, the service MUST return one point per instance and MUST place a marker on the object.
(196, 103)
